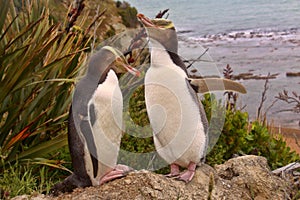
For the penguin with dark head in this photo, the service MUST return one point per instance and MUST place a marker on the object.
(177, 117)
(95, 123)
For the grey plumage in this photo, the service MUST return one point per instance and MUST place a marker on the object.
(83, 127)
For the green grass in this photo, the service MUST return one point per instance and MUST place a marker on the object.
(21, 179)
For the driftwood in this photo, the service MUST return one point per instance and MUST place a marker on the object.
(287, 169)
(289, 172)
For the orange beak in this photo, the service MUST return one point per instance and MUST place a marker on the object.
(128, 68)
(132, 70)
(145, 20)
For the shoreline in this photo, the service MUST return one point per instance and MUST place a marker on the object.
(275, 54)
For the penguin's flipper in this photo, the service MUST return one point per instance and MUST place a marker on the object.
(206, 85)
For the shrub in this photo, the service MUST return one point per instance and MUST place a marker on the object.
(128, 14)
(260, 142)
(239, 138)
(231, 139)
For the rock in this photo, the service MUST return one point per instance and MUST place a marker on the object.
(241, 178)
(251, 76)
(119, 28)
(32, 197)
(292, 74)
(249, 177)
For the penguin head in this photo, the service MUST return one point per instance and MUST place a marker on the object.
(161, 30)
(108, 58)
(121, 66)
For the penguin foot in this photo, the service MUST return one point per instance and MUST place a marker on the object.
(188, 175)
(118, 172)
(174, 171)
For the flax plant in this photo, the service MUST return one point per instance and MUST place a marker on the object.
(39, 63)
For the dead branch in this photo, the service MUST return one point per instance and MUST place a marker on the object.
(96, 18)
(231, 96)
(290, 99)
(287, 169)
(197, 59)
(263, 98)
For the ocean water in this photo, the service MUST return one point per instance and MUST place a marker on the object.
(252, 36)
(223, 16)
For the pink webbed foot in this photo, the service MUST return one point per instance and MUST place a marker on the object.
(174, 171)
(188, 175)
(118, 172)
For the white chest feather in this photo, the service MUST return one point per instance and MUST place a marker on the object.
(107, 129)
(174, 115)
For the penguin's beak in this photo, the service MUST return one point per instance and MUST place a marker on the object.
(120, 64)
(146, 21)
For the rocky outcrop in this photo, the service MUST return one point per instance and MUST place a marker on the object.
(246, 177)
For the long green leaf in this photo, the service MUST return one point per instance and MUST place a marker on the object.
(51, 163)
(3, 12)
(39, 64)
(43, 148)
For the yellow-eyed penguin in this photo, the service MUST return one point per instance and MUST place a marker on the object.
(95, 123)
(176, 115)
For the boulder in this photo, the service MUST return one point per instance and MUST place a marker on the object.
(245, 177)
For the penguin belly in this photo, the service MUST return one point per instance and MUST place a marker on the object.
(107, 128)
(179, 135)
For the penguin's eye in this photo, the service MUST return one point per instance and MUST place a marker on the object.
(120, 60)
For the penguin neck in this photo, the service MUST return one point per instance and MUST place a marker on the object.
(110, 78)
(177, 60)
(162, 56)
(99, 65)
(104, 75)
